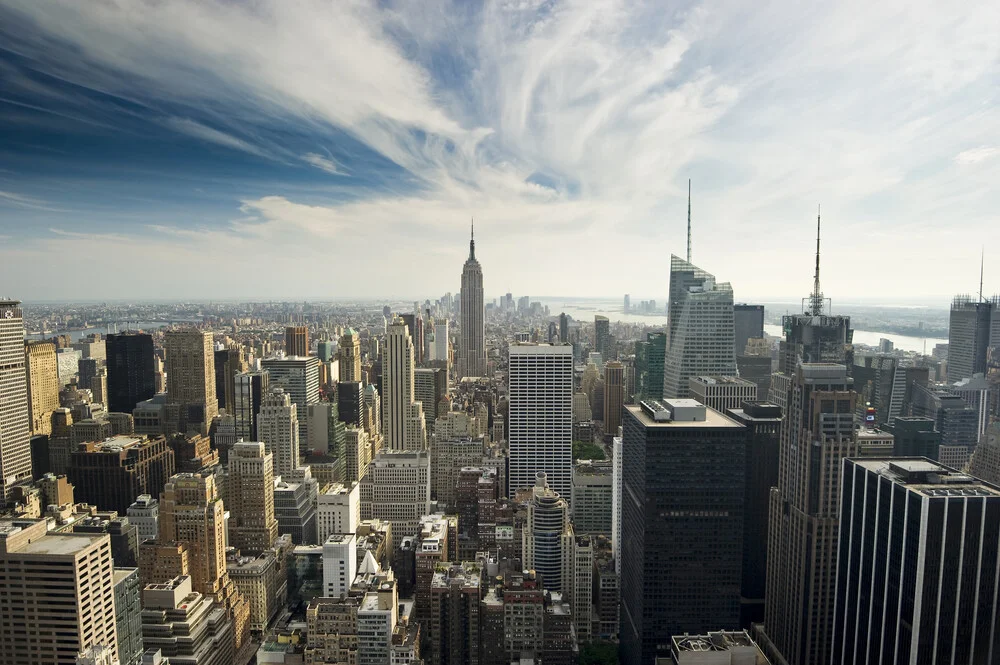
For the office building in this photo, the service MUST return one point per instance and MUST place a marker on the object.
(402, 417)
(351, 403)
(453, 626)
(250, 389)
(327, 433)
(722, 392)
(748, 323)
(43, 385)
(228, 362)
(185, 625)
(973, 336)
(111, 474)
(472, 318)
(297, 341)
(917, 565)
(250, 493)
(397, 488)
(190, 365)
(700, 337)
(430, 388)
(295, 499)
(683, 484)
(357, 454)
(128, 615)
(649, 359)
(339, 510)
(340, 564)
(349, 350)
(15, 424)
(548, 532)
(978, 393)
(144, 513)
(985, 462)
(278, 429)
(915, 436)
(540, 420)
(326, 350)
(299, 378)
(591, 498)
(715, 648)
(763, 424)
(441, 344)
(614, 396)
(263, 581)
(57, 594)
(817, 433)
(602, 335)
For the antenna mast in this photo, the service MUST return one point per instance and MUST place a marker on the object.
(689, 221)
(816, 299)
(982, 258)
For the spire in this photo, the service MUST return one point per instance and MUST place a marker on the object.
(472, 241)
(816, 299)
(689, 221)
(982, 258)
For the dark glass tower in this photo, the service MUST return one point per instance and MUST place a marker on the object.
(351, 403)
(748, 323)
(917, 565)
(131, 372)
(682, 504)
(649, 357)
(973, 336)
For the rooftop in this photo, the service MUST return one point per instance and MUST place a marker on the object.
(927, 478)
(61, 544)
(712, 418)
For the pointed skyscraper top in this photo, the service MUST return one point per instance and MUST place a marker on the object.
(472, 241)
(816, 298)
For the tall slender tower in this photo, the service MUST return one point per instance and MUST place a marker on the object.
(349, 350)
(472, 343)
(43, 384)
(402, 417)
(250, 496)
(278, 429)
(15, 437)
(191, 378)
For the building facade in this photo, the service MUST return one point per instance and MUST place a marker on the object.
(131, 370)
(43, 385)
(250, 493)
(15, 424)
(472, 318)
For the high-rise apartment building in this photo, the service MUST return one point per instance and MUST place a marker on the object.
(973, 336)
(683, 484)
(454, 624)
(817, 433)
(349, 351)
(250, 493)
(649, 358)
(15, 424)
(402, 416)
(184, 625)
(748, 323)
(540, 420)
(43, 385)
(397, 488)
(250, 389)
(297, 341)
(190, 365)
(131, 371)
(700, 337)
(299, 377)
(722, 392)
(278, 428)
(614, 396)
(472, 318)
(917, 565)
(111, 474)
(56, 593)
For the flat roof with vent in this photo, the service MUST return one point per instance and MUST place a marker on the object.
(927, 477)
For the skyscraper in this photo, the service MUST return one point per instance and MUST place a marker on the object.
(43, 384)
(131, 371)
(973, 336)
(816, 435)
(299, 377)
(917, 565)
(56, 593)
(649, 359)
(602, 334)
(472, 342)
(278, 429)
(682, 523)
(748, 323)
(540, 420)
(250, 491)
(297, 341)
(15, 434)
(402, 417)
(349, 351)
(700, 328)
(190, 365)
(251, 387)
(111, 474)
(614, 396)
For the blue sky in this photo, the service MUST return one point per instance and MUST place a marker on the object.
(309, 148)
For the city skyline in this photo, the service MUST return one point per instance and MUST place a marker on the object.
(576, 123)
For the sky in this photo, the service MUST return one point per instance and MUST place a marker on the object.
(303, 149)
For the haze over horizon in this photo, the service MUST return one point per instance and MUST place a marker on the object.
(308, 150)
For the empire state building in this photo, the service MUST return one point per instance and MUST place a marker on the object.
(472, 343)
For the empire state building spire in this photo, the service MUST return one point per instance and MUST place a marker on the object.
(472, 241)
